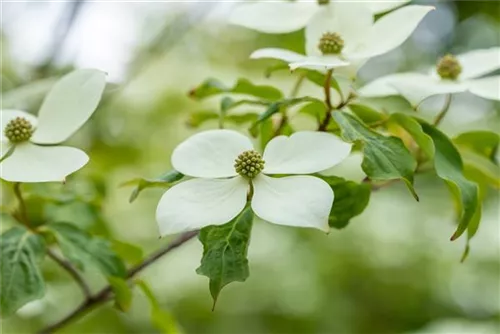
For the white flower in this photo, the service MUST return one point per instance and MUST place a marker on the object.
(415, 87)
(27, 143)
(276, 17)
(219, 192)
(345, 33)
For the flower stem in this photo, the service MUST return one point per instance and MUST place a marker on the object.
(105, 294)
(72, 271)
(443, 111)
(22, 205)
(328, 101)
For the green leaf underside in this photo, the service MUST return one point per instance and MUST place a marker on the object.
(385, 158)
(448, 165)
(485, 143)
(351, 199)
(122, 292)
(21, 279)
(212, 87)
(130, 253)
(162, 319)
(225, 252)
(83, 250)
(164, 181)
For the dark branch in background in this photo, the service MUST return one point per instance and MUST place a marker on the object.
(60, 35)
(72, 271)
(106, 293)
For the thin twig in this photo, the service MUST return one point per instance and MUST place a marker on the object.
(444, 111)
(328, 101)
(105, 294)
(22, 204)
(73, 272)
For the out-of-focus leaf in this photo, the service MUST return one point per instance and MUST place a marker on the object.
(366, 113)
(83, 250)
(385, 158)
(161, 319)
(213, 87)
(122, 292)
(196, 119)
(225, 252)
(315, 109)
(485, 143)
(164, 181)
(448, 165)
(130, 253)
(266, 131)
(351, 199)
(71, 100)
(278, 67)
(481, 167)
(340, 84)
(33, 93)
(275, 108)
(21, 251)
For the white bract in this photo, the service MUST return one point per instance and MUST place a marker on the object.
(416, 87)
(276, 17)
(218, 192)
(28, 148)
(345, 34)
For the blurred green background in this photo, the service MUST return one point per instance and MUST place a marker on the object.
(392, 270)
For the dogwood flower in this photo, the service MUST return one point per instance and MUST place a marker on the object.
(345, 33)
(226, 167)
(451, 75)
(276, 17)
(27, 143)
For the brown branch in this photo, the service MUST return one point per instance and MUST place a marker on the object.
(72, 271)
(105, 294)
(328, 101)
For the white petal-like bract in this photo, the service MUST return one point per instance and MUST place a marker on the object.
(385, 86)
(390, 31)
(210, 154)
(68, 105)
(299, 201)
(319, 63)
(304, 152)
(479, 62)
(280, 54)
(33, 163)
(6, 115)
(197, 203)
(274, 17)
(488, 88)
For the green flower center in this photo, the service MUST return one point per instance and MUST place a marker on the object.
(323, 2)
(331, 43)
(449, 67)
(249, 164)
(18, 130)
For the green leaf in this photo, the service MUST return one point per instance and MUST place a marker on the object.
(276, 107)
(448, 165)
(70, 101)
(485, 143)
(385, 158)
(163, 181)
(351, 199)
(366, 113)
(130, 253)
(225, 252)
(213, 87)
(315, 109)
(319, 79)
(82, 249)
(162, 319)
(477, 166)
(21, 251)
(122, 292)
(198, 118)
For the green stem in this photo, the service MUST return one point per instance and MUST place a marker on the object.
(443, 111)
(73, 272)
(22, 204)
(328, 101)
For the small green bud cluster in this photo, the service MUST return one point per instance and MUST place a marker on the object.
(323, 2)
(448, 67)
(331, 43)
(18, 130)
(249, 164)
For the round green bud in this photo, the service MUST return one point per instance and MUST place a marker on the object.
(323, 2)
(449, 67)
(331, 43)
(249, 164)
(18, 130)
